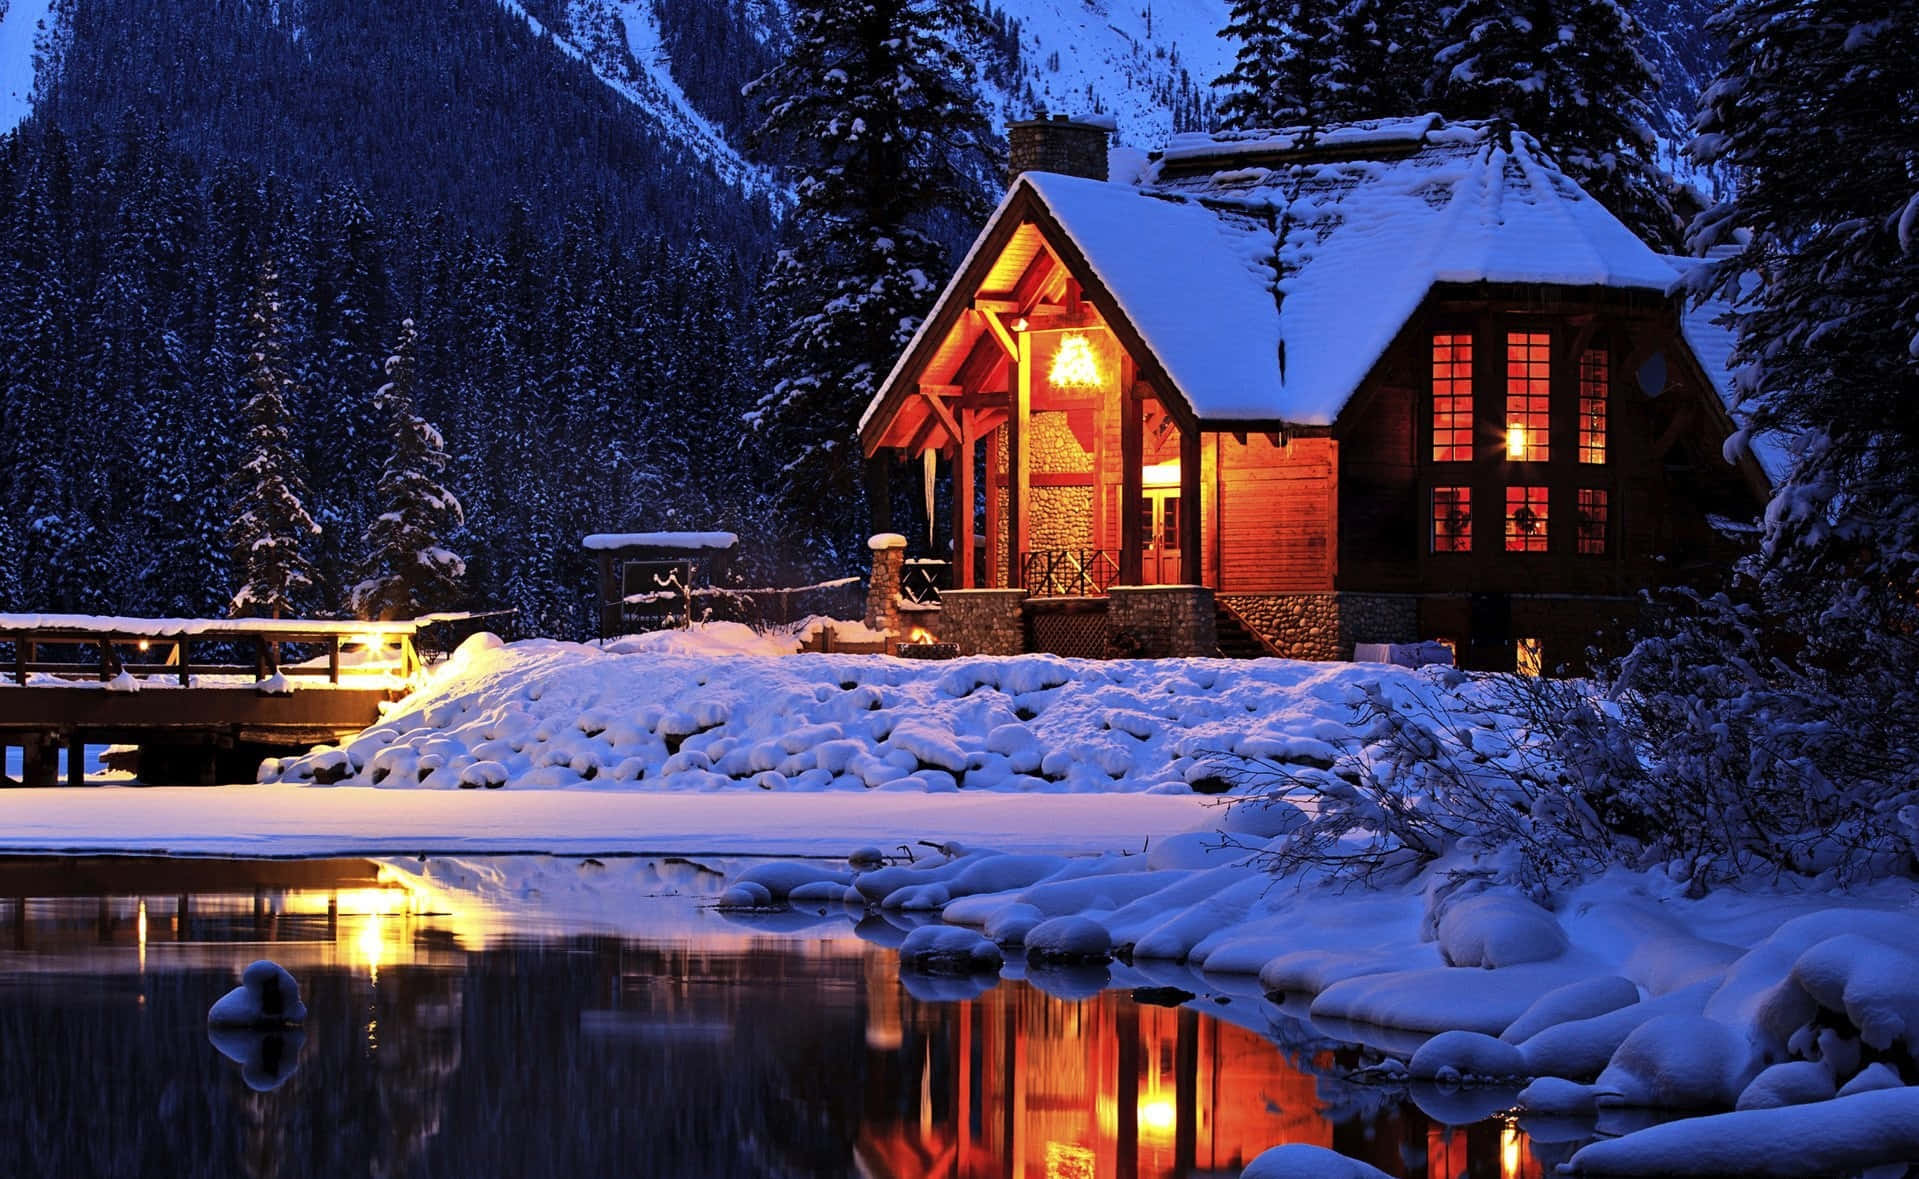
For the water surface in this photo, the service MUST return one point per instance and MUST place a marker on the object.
(449, 1037)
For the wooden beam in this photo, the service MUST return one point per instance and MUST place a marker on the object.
(1020, 461)
(1191, 540)
(995, 480)
(940, 412)
(1132, 477)
(963, 528)
(1000, 335)
(1002, 306)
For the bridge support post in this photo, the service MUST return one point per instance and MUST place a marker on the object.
(39, 760)
(76, 759)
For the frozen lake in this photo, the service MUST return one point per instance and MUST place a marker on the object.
(668, 1039)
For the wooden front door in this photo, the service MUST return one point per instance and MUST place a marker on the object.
(1159, 536)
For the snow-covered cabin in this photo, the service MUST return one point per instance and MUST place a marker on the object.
(1399, 380)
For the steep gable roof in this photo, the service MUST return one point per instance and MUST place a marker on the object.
(1267, 272)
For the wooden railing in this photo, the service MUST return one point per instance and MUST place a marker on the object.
(76, 648)
(1077, 573)
(922, 579)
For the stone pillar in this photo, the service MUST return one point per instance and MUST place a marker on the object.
(883, 591)
(1162, 621)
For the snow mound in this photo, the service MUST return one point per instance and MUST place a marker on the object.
(949, 949)
(1498, 929)
(267, 997)
(1574, 1001)
(1297, 1160)
(1068, 939)
(1678, 1062)
(1840, 1137)
(1796, 1082)
(1456, 1057)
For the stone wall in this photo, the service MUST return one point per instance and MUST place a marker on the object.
(1325, 626)
(983, 621)
(1062, 518)
(1161, 621)
(1053, 449)
(883, 589)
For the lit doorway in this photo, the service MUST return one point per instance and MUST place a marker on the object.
(1159, 536)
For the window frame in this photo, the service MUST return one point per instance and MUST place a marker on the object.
(1528, 407)
(1460, 432)
(1534, 497)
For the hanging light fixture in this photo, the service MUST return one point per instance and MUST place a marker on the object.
(1075, 364)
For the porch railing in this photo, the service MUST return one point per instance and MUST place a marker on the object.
(922, 579)
(1078, 573)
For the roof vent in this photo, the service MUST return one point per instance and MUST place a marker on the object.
(1068, 145)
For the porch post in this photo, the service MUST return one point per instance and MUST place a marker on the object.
(1019, 525)
(963, 501)
(1132, 483)
(995, 572)
(1191, 556)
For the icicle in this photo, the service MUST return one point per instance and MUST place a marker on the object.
(929, 463)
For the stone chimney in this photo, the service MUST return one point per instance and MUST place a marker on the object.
(1063, 144)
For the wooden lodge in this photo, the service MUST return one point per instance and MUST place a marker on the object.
(1398, 381)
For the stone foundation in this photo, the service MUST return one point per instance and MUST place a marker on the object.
(1325, 626)
(983, 621)
(883, 589)
(1161, 621)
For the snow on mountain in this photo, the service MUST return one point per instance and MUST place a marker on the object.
(22, 24)
(620, 41)
(1148, 63)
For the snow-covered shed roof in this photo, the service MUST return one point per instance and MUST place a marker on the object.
(686, 541)
(1267, 272)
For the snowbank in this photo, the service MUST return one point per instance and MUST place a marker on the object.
(698, 710)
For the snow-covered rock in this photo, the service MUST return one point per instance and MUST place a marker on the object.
(1456, 1057)
(1794, 1082)
(1068, 939)
(949, 949)
(1679, 1062)
(1298, 1160)
(1574, 1001)
(267, 997)
(1844, 1136)
(1498, 929)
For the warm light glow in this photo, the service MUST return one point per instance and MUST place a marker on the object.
(1066, 1160)
(1158, 1117)
(1515, 442)
(920, 635)
(146, 644)
(373, 901)
(1161, 474)
(371, 945)
(1075, 366)
(1020, 324)
(1531, 657)
(1510, 1143)
(140, 927)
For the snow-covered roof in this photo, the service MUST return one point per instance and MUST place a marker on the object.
(1267, 272)
(1707, 329)
(688, 541)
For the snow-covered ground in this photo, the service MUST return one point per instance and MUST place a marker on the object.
(686, 711)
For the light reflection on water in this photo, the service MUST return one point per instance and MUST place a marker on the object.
(447, 1038)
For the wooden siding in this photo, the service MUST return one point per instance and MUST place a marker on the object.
(1277, 514)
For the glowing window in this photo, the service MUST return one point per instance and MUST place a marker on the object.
(1528, 396)
(1594, 379)
(1592, 521)
(1452, 519)
(1452, 398)
(1532, 656)
(1525, 519)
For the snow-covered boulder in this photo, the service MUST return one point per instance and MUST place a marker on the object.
(1297, 1160)
(1465, 1057)
(949, 949)
(267, 997)
(1498, 929)
(1679, 1062)
(1068, 939)
(1548, 1096)
(1845, 1136)
(1581, 1000)
(1795, 1082)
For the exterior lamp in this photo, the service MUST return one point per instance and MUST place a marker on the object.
(1075, 365)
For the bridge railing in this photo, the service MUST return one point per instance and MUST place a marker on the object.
(74, 647)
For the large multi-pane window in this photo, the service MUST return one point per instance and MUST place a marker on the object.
(1452, 397)
(1592, 521)
(1594, 379)
(1528, 396)
(1452, 519)
(1525, 519)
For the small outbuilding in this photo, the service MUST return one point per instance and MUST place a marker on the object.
(647, 579)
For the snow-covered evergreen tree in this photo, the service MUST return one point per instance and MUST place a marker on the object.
(269, 530)
(1281, 75)
(1571, 74)
(1814, 112)
(409, 570)
(1380, 59)
(876, 99)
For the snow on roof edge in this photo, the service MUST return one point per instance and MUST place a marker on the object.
(691, 541)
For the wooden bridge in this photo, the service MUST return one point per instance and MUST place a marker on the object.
(202, 699)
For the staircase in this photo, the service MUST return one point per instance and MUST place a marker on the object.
(1236, 639)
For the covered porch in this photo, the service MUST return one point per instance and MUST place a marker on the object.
(1073, 468)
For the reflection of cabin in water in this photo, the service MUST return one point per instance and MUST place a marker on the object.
(646, 578)
(1396, 381)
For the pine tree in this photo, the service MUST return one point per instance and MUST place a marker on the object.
(1826, 278)
(877, 99)
(269, 530)
(1380, 59)
(1280, 76)
(409, 570)
(1569, 73)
